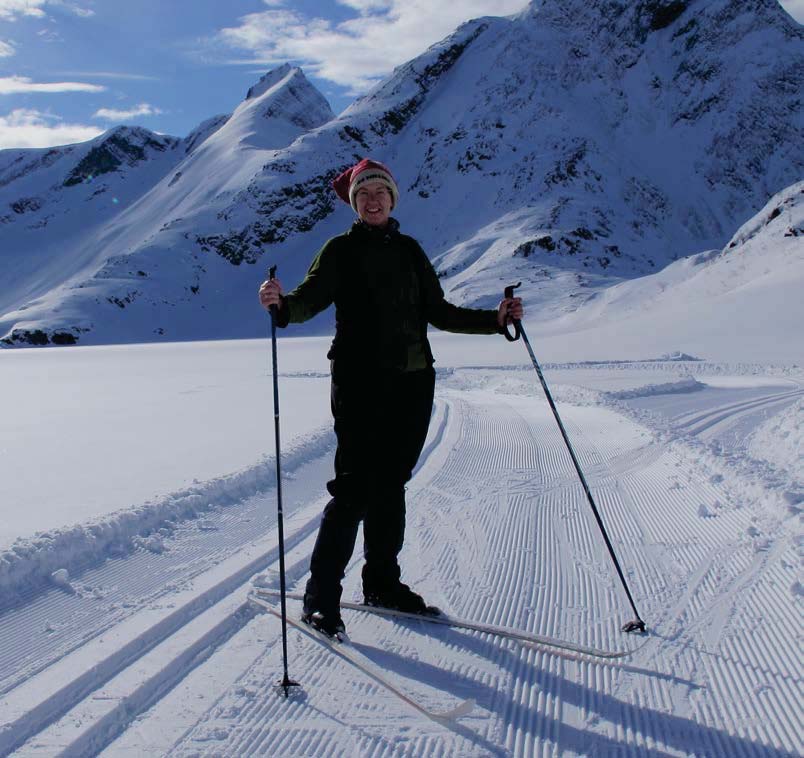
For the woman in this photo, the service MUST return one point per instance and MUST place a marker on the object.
(385, 292)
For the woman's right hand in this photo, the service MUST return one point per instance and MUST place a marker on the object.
(270, 293)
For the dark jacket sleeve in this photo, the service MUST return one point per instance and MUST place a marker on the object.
(315, 293)
(453, 318)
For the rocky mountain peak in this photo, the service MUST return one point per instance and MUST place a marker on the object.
(269, 80)
(206, 128)
(285, 93)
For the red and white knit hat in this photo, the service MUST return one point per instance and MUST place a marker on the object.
(351, 180)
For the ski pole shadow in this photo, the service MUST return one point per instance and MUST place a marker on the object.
(719, 656)
(459, 685)
(675, 733)
(378, 657)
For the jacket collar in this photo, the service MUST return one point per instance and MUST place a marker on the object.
(389, 231)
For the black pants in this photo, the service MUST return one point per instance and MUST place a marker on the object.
(381, 422)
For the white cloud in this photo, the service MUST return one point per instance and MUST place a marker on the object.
(6, 49)
(82, 12)
(143, 109)
(51, 34)
(795, 8)
(31, 128)
(357, 52)
(15, 85)
(11, 9)
(367, 5)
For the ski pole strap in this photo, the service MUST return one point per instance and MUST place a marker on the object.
(509, 292)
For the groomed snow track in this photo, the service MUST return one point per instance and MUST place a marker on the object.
(174, 661)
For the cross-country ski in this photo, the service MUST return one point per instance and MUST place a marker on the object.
(342, 648)
(505, 633)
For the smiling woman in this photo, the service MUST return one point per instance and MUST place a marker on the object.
(374, 204)
(385, 292)
(371, 191)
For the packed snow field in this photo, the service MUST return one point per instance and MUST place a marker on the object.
(140, 515)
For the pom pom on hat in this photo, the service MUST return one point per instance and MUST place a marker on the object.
(350, 181)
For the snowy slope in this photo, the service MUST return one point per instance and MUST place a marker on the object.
(573, 146)
(55, 199)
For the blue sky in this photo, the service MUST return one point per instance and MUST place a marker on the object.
(70, 69)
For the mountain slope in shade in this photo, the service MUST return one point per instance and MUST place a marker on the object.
(746, 296)
(765, 253)
(573, 146)
(51, 197)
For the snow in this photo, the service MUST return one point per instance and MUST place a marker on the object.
(682, 385)
(96, 453)
(780, 440)
(140, 639)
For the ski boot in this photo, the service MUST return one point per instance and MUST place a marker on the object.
(399, 597)
(330, 624)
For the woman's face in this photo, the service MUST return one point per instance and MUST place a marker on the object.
(374, 203)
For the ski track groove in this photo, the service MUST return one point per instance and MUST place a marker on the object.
(309, 663)
(697, 422)
(139, 647)
(522, 537)
(674, 516)
(146, 577)
(723, 682)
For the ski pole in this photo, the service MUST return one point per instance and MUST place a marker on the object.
(637, 625)
(286, 682)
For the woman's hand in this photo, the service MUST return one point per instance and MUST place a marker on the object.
(509, 310)
(270, 293)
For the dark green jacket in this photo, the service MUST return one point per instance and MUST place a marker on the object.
(385, 292)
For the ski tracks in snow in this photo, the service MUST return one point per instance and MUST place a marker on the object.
(499, 530)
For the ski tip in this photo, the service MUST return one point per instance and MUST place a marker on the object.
(462, 709)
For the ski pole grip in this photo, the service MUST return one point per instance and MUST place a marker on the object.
(509, 292)
(271, 277)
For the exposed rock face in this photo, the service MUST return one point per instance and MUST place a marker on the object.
(122, 146)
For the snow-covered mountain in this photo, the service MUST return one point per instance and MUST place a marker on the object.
(83, 211)
(53, 199)
(573, 146)
(765, 255)
(745, 298)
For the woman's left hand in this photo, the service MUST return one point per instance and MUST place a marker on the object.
(509, 310)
